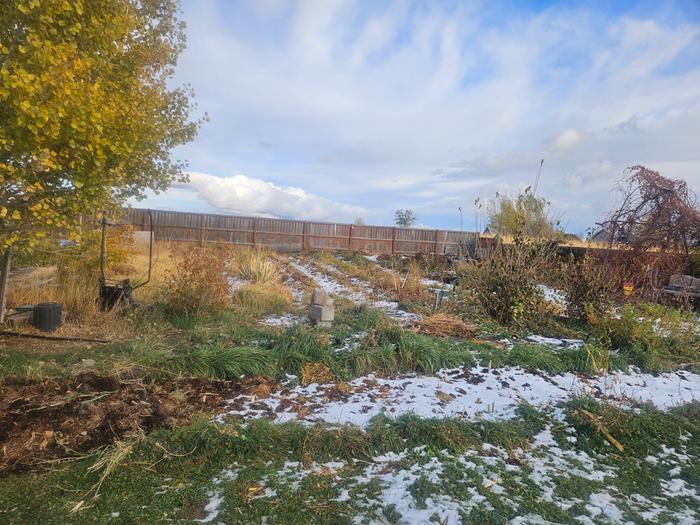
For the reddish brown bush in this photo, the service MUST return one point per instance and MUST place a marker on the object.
(199, 283)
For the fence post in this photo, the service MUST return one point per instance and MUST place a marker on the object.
(201, 230)
(393, 240)
(303, 237)
(435, 249)
(255, 226)
(352, 227)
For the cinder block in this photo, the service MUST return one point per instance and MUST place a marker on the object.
(319, 297)
(322, 313)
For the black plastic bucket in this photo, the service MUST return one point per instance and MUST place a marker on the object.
(47, 316)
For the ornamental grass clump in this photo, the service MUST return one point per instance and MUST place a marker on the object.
(255, 266)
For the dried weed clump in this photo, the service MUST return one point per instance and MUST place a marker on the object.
(316, 373)
(399, 286)
(444, 325)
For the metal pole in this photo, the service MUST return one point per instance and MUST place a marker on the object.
(3, 282)
(103, 250)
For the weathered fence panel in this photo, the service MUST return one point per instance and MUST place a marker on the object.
(291, 235)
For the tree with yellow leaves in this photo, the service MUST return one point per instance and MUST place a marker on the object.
(87, 118)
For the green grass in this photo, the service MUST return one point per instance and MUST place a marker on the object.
(587, 359)
(217, 361)
(358, 318)
(168, 475)
(653, 337)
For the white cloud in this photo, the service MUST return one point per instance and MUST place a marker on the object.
(567, 139)
(245, 195)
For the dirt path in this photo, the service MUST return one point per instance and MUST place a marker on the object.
(360, 292)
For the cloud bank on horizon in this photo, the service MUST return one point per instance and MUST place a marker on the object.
(246, 196)
(373, 106)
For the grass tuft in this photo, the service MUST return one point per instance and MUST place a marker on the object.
(217, 361)
(255, 266)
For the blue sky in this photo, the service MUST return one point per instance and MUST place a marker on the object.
(333, 110)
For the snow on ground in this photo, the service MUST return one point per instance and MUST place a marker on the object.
(553, 341)
(469, 393)
(361, 294)
(554, 296)
(296, 290)
(216, 496)
(281, 320)
(236, 282)
(330, 285)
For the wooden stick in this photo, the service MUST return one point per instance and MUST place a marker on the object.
(601, 428)
(54, 337)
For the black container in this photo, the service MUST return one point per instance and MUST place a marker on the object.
(47, 316)
(114, 294)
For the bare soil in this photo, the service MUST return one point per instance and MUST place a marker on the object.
(45, 421)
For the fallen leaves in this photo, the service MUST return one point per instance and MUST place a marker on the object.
(316, 373)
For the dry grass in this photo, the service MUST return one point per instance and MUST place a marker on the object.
(73, 282)
(444, 325)
(264, 299)
(78, 297)
(408, 285)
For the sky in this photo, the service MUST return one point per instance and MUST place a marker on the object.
(334, 110)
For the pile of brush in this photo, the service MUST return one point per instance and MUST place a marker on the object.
(444, 325)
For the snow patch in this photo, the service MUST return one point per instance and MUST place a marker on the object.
(468, 393)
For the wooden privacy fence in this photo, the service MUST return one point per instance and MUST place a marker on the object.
(290, 235)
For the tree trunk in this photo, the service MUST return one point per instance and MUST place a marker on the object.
(4, 279)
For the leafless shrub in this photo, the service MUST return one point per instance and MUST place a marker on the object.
(659, 221)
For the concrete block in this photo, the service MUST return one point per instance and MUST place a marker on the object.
(321, 314)
(319, 297)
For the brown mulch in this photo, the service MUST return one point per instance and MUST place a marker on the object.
(42, 421)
